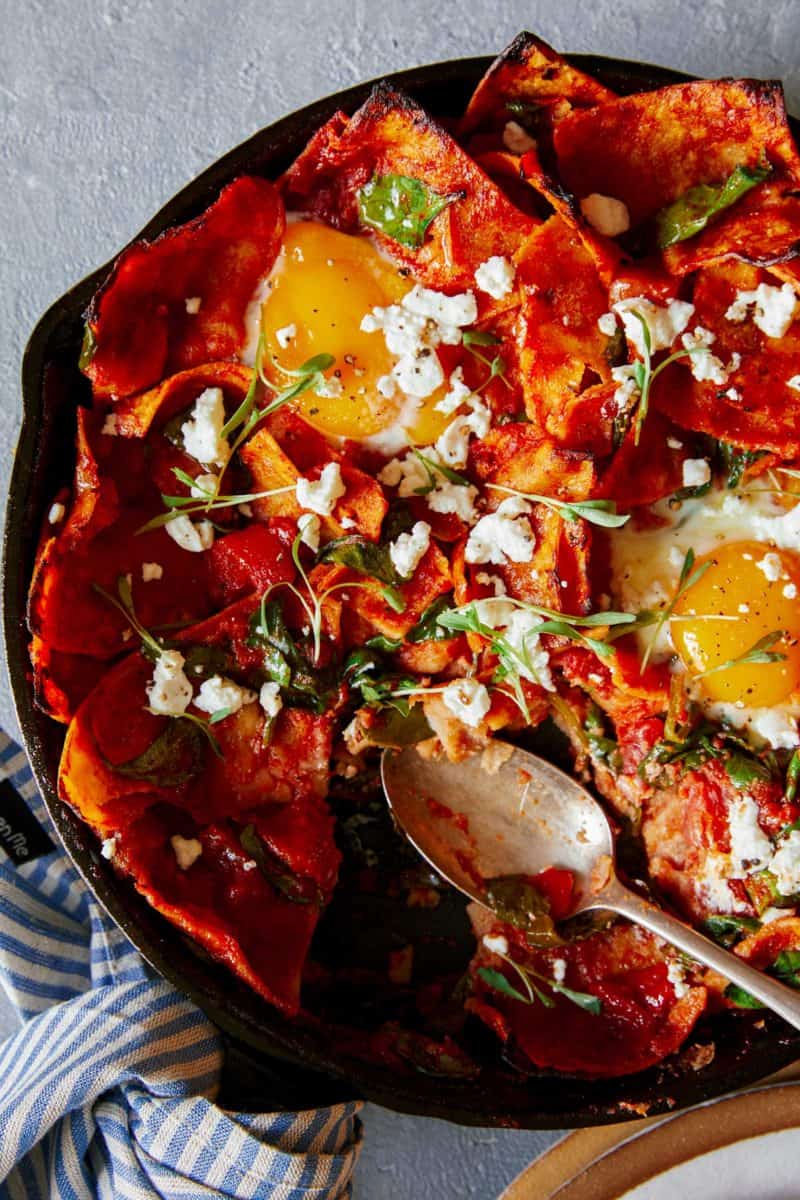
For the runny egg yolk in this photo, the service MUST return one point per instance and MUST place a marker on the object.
(323, 284)
(745, 593)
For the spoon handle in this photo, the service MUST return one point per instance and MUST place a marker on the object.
(775, 995)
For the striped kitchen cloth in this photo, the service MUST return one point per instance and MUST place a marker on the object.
(107, 1089)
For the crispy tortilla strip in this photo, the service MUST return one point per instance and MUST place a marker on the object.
(391, 134)
(135, 416)
(621, 478)
(650, 148)
(761, 948)
(764, 412)
(532, 73)
(563, 351)
(138, 319)
(62, 681)
(432, 578)
(223, 902)
(518, 455)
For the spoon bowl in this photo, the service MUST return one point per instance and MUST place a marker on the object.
(506, 812)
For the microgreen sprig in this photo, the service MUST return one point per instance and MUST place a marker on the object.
(759, 652)
(436, 468)
(471, 338)
(498, 982)
(687, 579)
(208, 500)
(644, 373)
(596, 512)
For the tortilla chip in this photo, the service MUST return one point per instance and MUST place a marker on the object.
(763, 412)
(139, 322)
(531, 73)
(650, 148)
(519, 456)
(391, 134)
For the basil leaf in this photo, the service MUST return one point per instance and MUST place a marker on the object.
(497, 981)
(401, 207)
(743, 770)
(728, 930)
(691, 212)
(740, 997)
(285, 662)
(428, 627)
(175, 757)
(297, 888)
(368, 558)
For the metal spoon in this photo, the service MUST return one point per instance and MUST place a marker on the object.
(527, 816)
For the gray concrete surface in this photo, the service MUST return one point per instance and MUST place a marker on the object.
(108, 106)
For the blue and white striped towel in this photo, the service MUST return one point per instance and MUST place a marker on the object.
(107, 1089)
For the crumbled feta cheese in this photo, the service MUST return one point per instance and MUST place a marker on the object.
(321, 495)
(774, 307)
(110, 425)
(419, 376)
(495, 943)
(704, 365)
(387, 386)
(204, 486)
(770, 567)
(452, 447)
(202, 433)
(751, 849)
(270, 700)
(192, 304)
(308, 527)
(785, 865)
(677, 977)
(503, 535)
(409, 474)
(187, 850)
(458, 311)
(606, 214)
(328, 387)
(625, 378)
(531, 658)
(109, 847)
(56, 513)
(674, 443)
(559, 970)
(408, 550)
(285, 335)
(151, 571)
(794, 383)
(189, 536)
(516, 139)
(713, 883)
(790, 591)
(169, 691)
(492, 581)
(607, 324)
(456, 396)
(776, 728)
(217, 693)
(496, 277)
(696, 472)
(468, 700)
(664, 323)
(733, 394)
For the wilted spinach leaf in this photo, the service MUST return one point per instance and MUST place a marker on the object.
(401, 207)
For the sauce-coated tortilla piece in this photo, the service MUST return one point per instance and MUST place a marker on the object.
(144, 323)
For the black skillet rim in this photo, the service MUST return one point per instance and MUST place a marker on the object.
(295, 1063)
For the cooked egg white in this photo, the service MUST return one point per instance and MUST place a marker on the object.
(747, 586)
(314, 301)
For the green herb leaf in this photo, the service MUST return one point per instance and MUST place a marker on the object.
(729, 930)
(759, 652)
(736, 461)
(150, 645)
(401, 207)
(744, 770)
(691, 212)
(584, 1000)
(792, 780)
(393, 728)
(428, 628)
(435, 468)
(363, 556)
(480, 337)
(517, 902)
(687, 579)
(497, 981)
(786, 967)
(740, 998)
(299, 889)
(176, 756)
(595, 512)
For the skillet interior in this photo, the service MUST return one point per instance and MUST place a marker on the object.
(747, 1047)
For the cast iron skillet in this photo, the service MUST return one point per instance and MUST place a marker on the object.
(304, 1063)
